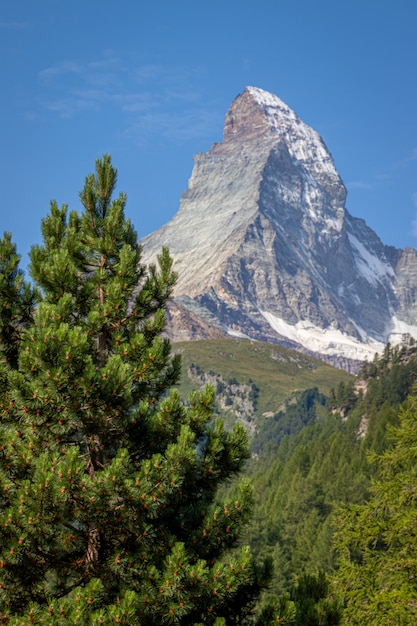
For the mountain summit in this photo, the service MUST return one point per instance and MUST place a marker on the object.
(265, 248)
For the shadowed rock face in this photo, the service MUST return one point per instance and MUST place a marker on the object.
(266, 249)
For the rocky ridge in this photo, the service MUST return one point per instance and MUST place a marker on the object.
(231, 397)
(266, 249)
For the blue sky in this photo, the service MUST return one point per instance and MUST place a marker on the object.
(150, 82)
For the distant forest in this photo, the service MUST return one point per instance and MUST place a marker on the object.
(316, 474)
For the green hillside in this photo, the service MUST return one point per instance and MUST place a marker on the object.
(277, 374)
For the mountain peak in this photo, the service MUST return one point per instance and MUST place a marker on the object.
(253, 113)
(266, 98)
(258, 115)
(265, 249)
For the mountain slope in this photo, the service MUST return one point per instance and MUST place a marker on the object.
(275, 374)
(265, 248)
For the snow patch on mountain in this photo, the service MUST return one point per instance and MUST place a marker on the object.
(371, 267)
(304, 143)
(327, 341)
(398, 328)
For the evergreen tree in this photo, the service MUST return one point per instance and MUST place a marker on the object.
(108, 509)
(377, 541)
(315, 605)
(17, 300)
(309, 603)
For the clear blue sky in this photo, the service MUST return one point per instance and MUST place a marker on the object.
(150, 82)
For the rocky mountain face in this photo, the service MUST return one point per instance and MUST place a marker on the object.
(265, 248)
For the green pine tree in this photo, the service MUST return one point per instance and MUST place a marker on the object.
(377, 541)
(108, 509)
(17, 301)
(314, 602)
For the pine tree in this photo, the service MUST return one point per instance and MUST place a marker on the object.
(315, 605)
(377, 541)
(17, 301)
(108, 509)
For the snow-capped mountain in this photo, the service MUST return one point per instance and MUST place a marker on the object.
(265, 248)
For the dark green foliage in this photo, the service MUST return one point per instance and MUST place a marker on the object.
(390, 378)
(17, 301)
(299, 478)
(108, 507)
(377, 540)
(282, 611)
(315, 605)
(344, 397)
(308, 603)
(289, 421)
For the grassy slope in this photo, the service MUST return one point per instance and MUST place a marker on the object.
(277, 372)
